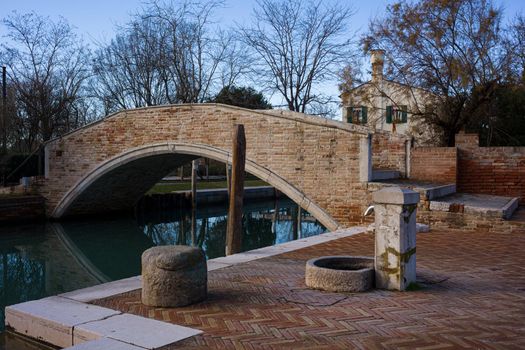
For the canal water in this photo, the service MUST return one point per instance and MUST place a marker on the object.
(53, 258)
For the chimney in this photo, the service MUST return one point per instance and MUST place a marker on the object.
(377, 58)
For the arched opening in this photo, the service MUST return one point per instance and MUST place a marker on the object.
(119, 182)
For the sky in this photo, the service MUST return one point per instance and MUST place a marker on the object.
(96, 20)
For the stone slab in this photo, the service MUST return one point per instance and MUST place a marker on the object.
(395, 195)
(105, 344)
(426, 189)
(139, 331)
(52, 319)
(215, 265)
(385, 175)
(105, 290)
(438, 191)
(510, 208)
(476, 204)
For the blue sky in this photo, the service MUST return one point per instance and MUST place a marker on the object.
(95, 20)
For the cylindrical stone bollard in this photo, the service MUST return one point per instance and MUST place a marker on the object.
(173, 276)
(395, 237)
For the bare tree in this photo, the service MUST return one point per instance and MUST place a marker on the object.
(516, 44)
(47, 66)
(298, 44)
(169, 53)
(453, 48)
(130, 71)
(197, 51)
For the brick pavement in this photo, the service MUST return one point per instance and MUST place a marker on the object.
(472, 296)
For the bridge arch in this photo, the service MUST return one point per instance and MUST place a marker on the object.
(115, 178)
(321, 164)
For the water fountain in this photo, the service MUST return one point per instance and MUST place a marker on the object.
(394, 264)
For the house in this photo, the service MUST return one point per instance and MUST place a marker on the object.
(387, 105)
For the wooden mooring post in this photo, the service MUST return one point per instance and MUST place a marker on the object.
(234, 228)
(193, 200)
(228, 178)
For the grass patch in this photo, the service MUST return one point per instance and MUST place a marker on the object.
(167, 187)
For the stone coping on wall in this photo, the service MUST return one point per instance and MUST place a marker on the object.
(68, 320)
(427, 190)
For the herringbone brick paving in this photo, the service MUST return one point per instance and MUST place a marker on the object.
(472, 296)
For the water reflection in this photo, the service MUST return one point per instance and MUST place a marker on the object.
(264, 223)
(42, 260)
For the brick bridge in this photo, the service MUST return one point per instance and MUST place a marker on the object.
(322, 165)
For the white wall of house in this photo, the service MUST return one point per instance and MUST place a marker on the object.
(379, 94)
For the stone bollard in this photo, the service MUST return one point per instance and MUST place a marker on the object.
(173, 276)
(395, 237)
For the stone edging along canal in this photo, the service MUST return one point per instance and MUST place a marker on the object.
(68, 320)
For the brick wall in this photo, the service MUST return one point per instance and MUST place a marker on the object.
(23, 208)
(318, 157)
(388, 151)
(490, 170)
(434, 164)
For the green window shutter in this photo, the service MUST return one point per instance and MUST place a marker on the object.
(349, 114)
(389, 114)
(364, 115)
(404, 116)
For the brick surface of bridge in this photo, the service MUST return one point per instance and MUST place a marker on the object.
(109, 164)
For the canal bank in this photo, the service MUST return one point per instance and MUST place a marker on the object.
(22, 208)
(70, 319)
(51, 258)
(31, 208)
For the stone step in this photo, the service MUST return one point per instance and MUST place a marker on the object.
(477, 204)
(428, 191)
(383, 174)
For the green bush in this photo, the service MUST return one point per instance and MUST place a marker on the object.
(10, 163)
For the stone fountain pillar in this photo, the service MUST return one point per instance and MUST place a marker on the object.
(395, 237)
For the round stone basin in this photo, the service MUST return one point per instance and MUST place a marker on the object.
(340, 273)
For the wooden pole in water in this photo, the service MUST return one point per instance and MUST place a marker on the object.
(275, 215)
(228, 178)
(295, 221)
(194, 166)
(181, 173)
(299, 222)
(234, 229)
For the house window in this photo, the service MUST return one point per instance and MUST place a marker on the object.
(396, 114)
(357, 115)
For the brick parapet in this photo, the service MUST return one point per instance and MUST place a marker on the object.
(389, 152)
(492, 170)
(318, 157)
(434, 164)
